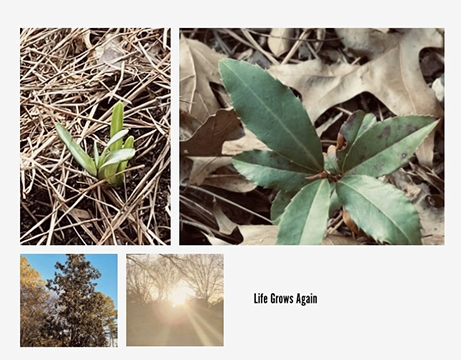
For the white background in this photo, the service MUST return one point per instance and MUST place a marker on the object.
(373, 302)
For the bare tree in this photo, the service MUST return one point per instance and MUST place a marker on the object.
(157, 271)
(204, 273)
(138, 282)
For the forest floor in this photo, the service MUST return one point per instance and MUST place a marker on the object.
(334, 72)
(75, 77)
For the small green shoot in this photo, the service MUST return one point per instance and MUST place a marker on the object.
(113, 160)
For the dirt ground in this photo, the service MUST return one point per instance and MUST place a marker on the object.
(75, 76)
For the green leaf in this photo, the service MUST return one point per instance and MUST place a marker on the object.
(355, 125)
(380, 210)
(330, 163)
(271, 170)
(335, 203)
(117, 157)
(116, 137)
(387, 146)
(119, 135)
(96, 154)
(108, 173)
(129, 144)
(101, 159)
(77, 152)
(116, 125)
(281, 201)
(112, 163)
(272, 112)
(368, 121)
(304, 220)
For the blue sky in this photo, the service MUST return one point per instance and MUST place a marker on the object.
(105, 263)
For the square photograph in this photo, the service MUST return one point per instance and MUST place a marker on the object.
(68, 300)
(95, 136)
(315, 136)
(175, 300)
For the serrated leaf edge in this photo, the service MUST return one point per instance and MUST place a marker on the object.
(357, 221)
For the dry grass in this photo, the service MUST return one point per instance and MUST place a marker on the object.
(75, 76)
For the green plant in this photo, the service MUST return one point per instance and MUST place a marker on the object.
(313, 184)
(114, 158)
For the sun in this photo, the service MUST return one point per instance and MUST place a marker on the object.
(180, 294)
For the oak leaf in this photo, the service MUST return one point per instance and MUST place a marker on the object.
(280, 40)
(198, 67)
(394, 77)
(208, 139)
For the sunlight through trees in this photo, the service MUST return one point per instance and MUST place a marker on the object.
(175, 300)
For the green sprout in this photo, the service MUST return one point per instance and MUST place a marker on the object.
(113, 160)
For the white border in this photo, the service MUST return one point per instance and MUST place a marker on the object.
(374, 302)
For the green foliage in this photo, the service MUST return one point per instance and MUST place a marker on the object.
(65, 311)
(269, 169)
(304, 220)
(114, 158)
(82, 314)
(270, 110)
(380, 209)
(312, 184)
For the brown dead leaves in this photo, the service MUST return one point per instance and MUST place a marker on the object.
(393, 74)
(381, 62)
(279, 41)
(208, 139)
(198, 68)
(205, 125)
(207, 134)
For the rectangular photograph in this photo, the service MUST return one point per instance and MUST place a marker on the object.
(95, 136)
(312, 136)
(68, 300)
(175, 300)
